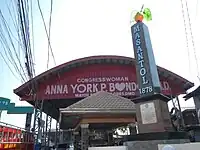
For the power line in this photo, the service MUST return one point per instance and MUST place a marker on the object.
(186, 36)
(23, 10)
(8, 66)
(9, 33)
(6, 46)
(192, 38)
(32, 31)
(38, 2)
(49, 32)
(197, 5)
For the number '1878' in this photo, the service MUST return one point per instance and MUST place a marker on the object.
(146, 90)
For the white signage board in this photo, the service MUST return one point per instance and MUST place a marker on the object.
(109, 148)
(148, 113)
(186, 146)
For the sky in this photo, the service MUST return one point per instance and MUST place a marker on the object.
(83, 28)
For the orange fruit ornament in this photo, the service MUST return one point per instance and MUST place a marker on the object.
(139, 17)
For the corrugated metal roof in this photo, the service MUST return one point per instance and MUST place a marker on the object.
(102, 100)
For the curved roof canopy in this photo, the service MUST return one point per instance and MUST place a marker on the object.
(20, 91)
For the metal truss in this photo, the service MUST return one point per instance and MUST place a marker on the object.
(28, 121)
(47, 130)
(57, 134)
(38, 122)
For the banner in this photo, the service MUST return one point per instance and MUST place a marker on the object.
(86, 80)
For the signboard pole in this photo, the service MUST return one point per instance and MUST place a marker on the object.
(151, 107)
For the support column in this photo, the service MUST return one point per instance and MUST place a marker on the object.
(57, 133)
(47, 130)
(61, 137)
(76, 140)
(84, 136)
(28, 121)
(110, 138)
(37, 129)
(132, 128)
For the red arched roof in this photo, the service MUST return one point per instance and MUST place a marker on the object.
(111, 59)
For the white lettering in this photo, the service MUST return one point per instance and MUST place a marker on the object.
(65, 89)
(89, 88)
(53, 89)
(103, 86)
(137, 35)
(140, 60)
(136, 29)
(73, 88)
(102, 79)
(140, 56)
(59, 89)
(95, 89)
(111, 87)
(128, 87)
(142, 71)
(122, 88)
(47, 92)
(141, 63)
(81, 88)
(137, 42)
(144, 80)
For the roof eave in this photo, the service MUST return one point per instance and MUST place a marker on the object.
(68, 112)
(77, 61)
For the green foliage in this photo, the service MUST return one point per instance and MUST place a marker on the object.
(147, 14)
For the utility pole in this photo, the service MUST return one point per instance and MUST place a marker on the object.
(24, 28)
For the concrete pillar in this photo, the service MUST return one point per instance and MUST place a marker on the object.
(110, 138)
(132, 128)
(76, 140)
(84, 136)
(61, 140)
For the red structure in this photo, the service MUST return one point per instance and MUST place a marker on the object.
(12, 138)
(70, 82)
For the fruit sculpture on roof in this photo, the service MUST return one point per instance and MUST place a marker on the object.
(143, 14)
(139, 17)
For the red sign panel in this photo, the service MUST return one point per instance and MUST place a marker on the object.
(84, 81)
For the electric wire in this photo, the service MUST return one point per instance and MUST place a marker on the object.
(26, 39)
(9, 40)
(197, 5)
(8, 66)
(32, 31)
(186, 36)
(7, 50)
(50, 17)
(192, 37)
(49, 32)
(10, 60)
(23, 13)
(38, 2)
(13, 18)
(9, 34)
